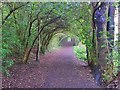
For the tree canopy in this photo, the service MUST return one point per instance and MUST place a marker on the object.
(31, 25)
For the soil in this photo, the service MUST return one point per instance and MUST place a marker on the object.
(57, 69)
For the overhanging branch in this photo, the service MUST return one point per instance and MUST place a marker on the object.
(13, 10)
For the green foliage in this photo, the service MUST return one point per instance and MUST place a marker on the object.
(116, 62)
(75, 21)
(19, 34)
(54, 43)
(6, 64)
(80, 52)
(113, 65)
(104, 45)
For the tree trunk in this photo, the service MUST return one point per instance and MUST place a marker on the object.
(37, 52)
(119, 36)
(38, 43)
(110, 26)
(100, 39)
(93, 50)
(26, 55)
(101, 23)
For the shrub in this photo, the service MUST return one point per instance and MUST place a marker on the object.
(80, 52)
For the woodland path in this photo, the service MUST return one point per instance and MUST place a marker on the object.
(58, 69)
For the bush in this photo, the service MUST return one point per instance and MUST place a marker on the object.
(80, 52)
(112, 67)
(6, 62)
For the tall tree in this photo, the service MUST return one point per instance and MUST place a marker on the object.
(100, 22)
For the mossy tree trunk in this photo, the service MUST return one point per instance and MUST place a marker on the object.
(100, 43)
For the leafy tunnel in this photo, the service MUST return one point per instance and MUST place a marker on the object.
(45, 25)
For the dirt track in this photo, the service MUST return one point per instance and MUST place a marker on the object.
(58, 69)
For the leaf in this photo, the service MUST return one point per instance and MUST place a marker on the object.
(103, 46)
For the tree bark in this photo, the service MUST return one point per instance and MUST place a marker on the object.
(101, 23)
(110, 25)
(37, 53)
(100, 11)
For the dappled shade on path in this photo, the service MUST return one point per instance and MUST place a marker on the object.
(58, 69)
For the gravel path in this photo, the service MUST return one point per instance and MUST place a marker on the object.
(58, 69)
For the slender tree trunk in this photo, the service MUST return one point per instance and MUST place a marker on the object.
(110, 26)
(93, 50)
(119, 36)
(26, 55)
(37, 53)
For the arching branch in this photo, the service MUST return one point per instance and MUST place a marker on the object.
(11, 11)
